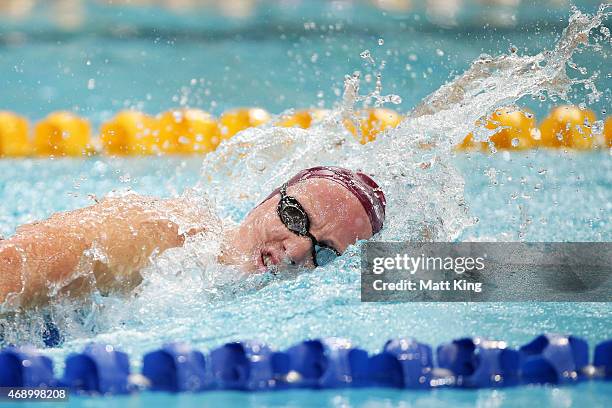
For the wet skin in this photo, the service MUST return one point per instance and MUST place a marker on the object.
(129, 230)
(337, 219)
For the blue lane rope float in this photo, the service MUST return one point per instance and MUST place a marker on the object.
(99, 368)
(315, 364)
(25, 367)
(248, 366)
(480, 363)
(176, 367)
(403, 363)
(554, 359)
(328, 363)
(602, 360)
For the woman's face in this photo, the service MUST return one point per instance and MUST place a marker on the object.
(337, 219)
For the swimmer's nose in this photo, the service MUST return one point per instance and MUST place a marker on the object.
(299, 250)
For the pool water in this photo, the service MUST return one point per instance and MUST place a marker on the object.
(281, 58)
(275, 62)
(572, 205)
(588, 395)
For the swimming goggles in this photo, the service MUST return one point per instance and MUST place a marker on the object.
(294, 217)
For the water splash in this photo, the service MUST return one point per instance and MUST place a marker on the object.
(412, 163)
(493, 82)
(425, 192)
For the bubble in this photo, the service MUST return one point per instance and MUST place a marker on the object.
(598, 127)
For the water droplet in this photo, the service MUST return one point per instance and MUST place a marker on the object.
(439, 52)
(381, 41)
(395, 99)
(91, 84)
(177, 116)
(598, 127)
(515, 142)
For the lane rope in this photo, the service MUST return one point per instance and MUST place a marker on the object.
(193, 131)
(315, 364)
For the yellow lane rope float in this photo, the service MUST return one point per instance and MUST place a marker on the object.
(189, 131)
(236, 120)
(608, 132)
(568, 126)
(371, 122)
(516, 130)
(130, 133)
(302, 118)
(63, 134)
(14, 135)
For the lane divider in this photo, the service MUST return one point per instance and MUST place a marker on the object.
(14, 139)
(62, 134)
(315, 364)
(566, 127)
(371, 122)
(192, 131)
(236, 120)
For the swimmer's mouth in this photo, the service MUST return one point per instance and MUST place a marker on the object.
(266, 261)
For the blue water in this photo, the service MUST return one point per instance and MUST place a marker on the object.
(147, 58)
(585, 395)
(573, 204)
(270, 61)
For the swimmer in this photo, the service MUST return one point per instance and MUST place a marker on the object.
(306, 222)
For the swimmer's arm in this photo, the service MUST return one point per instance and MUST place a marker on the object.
(117, 236)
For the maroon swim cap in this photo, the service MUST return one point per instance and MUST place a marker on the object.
(369, 194)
